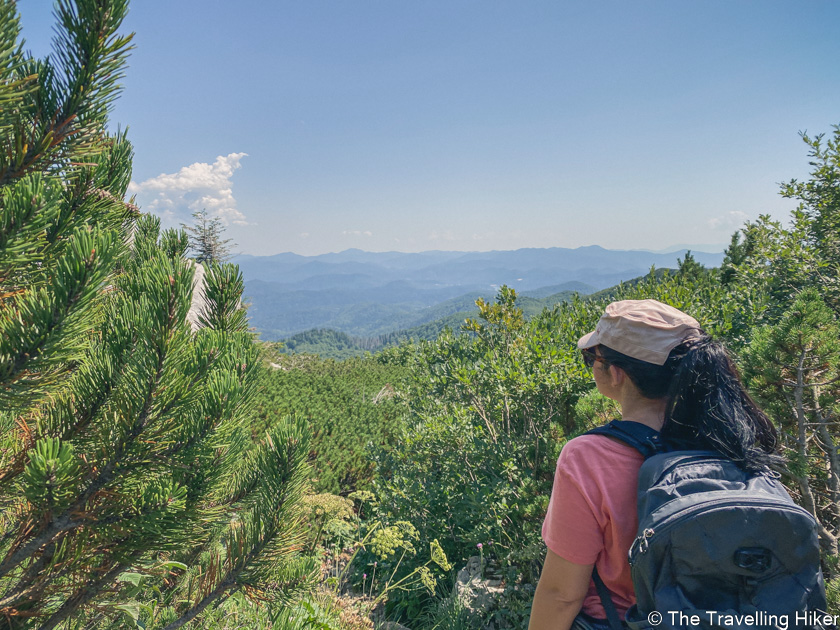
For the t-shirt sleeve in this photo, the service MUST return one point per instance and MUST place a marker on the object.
(571, 529)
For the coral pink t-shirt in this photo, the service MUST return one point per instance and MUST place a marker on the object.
(591, 517)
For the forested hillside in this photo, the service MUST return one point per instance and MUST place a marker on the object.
(333, 344)
(351, 408)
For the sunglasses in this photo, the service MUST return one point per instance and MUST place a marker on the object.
(589, 358)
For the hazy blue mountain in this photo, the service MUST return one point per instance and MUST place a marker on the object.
(374, 293)
(707, 248)
(579, 287)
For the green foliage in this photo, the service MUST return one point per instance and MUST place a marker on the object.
(784, 284)
(400, 576)
(328, 520)
(205, 238)
(389, 539)
(349, 406)
(689, 268)
(801, 350)
(321, 611)
(222, 299)
(832, 591)
(333, 344)
(817, 217)
(767, 265)
(52, 475)
(490, 409)
(594, 409)
(138, 489)
(131, 487)
(793, 367)
(450, 613)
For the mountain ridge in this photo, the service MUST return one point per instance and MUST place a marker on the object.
(372, 293)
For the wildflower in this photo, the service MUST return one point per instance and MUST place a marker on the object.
(364, 576)
(427, 579)
(438, 556)
(479, 545)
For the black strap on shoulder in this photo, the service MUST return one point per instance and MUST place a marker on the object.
(635, 434)
(648, 443)
(607, 602)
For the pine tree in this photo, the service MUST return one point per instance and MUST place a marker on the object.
(793, 367)
(206, 240)
(125, 457)
(689, 268)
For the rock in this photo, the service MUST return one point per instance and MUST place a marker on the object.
(199, 300)
(475, 593)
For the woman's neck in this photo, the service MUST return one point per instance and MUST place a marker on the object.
(650, 412)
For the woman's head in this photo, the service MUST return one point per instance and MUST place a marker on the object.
(666, 355)
(645, 330)
(650, 380)
(645, 339)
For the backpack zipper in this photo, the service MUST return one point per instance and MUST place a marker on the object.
(642, 542)
(691, 459)
(707, 456)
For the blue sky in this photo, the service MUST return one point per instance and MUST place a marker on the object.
(317, 126)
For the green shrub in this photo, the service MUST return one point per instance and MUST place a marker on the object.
(349, 406)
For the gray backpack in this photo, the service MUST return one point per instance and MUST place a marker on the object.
(717, 547)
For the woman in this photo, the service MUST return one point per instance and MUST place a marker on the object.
(666, 373)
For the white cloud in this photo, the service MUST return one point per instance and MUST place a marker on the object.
(445, 235)
(195, 187)
(304, 234)
(732, 219)
(357, 233)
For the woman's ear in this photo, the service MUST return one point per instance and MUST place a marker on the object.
(617, 375)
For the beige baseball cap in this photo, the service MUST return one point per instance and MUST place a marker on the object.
(643, 329)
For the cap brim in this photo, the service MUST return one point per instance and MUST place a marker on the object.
(588, 341)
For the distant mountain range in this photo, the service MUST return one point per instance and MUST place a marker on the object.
(373, 293)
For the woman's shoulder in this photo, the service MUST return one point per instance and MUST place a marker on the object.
(594, 448)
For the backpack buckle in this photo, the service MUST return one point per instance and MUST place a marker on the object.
(755, 559)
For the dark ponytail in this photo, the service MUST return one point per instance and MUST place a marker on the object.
(708, 408)
(707, 405)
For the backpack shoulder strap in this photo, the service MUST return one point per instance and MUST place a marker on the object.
(640, 436)
(607, 602)
(648, 443)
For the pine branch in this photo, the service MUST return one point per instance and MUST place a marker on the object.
(67, 520)
(27, 587)
(90, 590)
(282, 459)
(36, 337)
(199, 608)
(92, 57)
